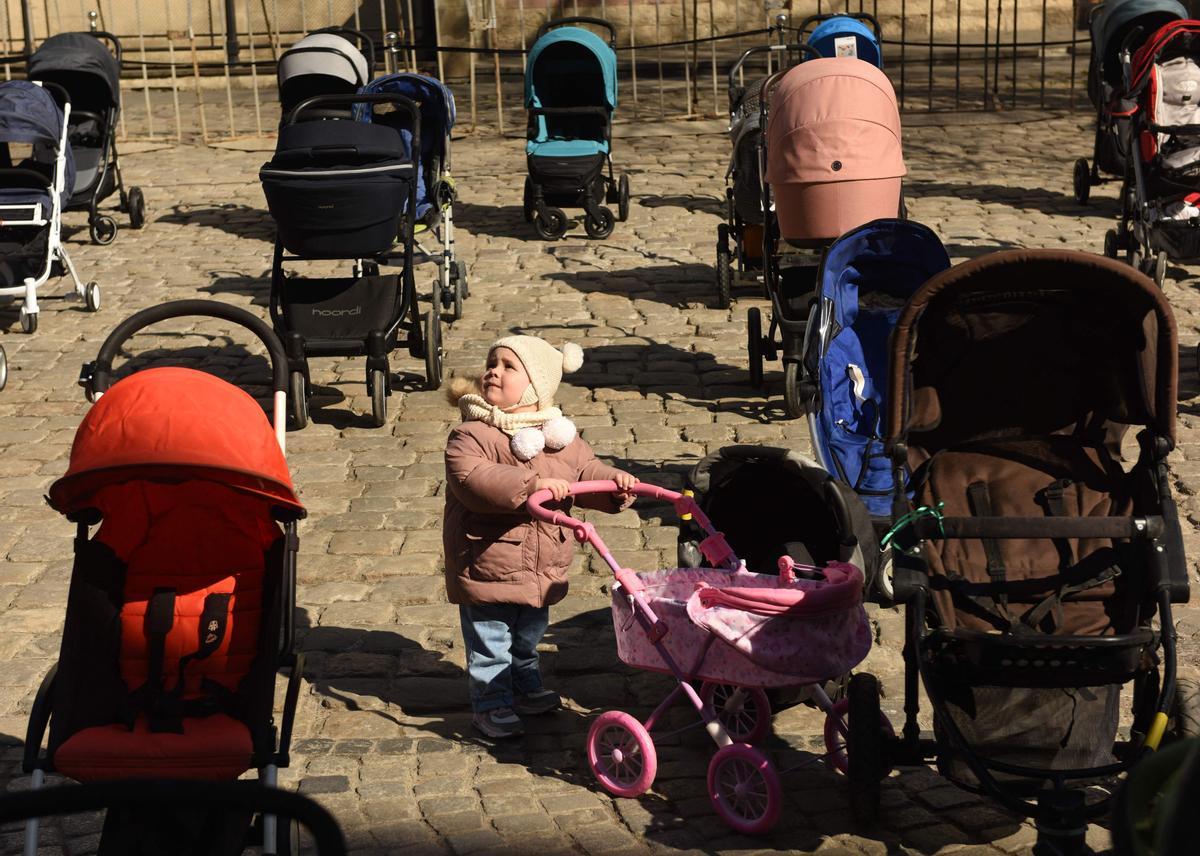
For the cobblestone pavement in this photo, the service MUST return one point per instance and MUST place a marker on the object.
(383, 737)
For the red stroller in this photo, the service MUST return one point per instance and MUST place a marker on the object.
(180, 608)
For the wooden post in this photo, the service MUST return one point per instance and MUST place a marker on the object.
(145, 75)
(712, 31)
(253, 70)
(471, 55)
(492, 42)
(196, 79)
(437, 37)
(633, 57)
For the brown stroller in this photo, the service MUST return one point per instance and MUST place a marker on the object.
(1040, 563)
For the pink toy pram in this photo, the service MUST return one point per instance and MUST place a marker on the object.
(734, 632)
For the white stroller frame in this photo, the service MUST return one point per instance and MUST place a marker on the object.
(10, 216)
(451, 272)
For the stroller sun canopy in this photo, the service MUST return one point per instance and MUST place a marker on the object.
(579, 61)
(29, 114)
(1034, 343)
(835, 36)
(74, 56)
(325, 54)
(1118, 19)
(175, 425)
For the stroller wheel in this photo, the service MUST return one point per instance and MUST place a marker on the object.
(287, 836)
(29, 321)
(601, 226)
(458, 289)
(137, 208)
(527, 209)
(1160, 269)
(3, 368)
(1082, 181)
(459, 277)
(865, 764)
(744, 711)
(793, 395)
(724, 268)
(1135, 259)
(91, 296)
(103, 230)
(551, 227)
(1111, 243)
(754, 346)
(298, 399)
(377, 385)
(621, 754)
(623, 198)
(433, 350)
(744, 789)
(837, 729)
(1185, 716)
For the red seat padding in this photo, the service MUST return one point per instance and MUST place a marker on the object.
(210, 747)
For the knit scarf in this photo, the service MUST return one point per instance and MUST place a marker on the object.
(475, 408)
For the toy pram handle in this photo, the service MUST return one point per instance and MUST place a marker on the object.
(97, 376)
(547, 26)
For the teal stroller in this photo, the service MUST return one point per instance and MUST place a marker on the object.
(571, 93)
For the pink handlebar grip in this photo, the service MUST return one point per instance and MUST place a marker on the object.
(558, 518)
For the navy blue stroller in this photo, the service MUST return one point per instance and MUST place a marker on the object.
(435, 185)
(37, 173)
(864, 281)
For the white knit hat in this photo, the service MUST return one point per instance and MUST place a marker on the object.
(544, 363)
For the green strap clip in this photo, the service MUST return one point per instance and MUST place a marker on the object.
(913, 516)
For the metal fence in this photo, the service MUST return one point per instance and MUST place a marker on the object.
(204, 70)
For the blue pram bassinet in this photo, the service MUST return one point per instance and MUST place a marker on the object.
(435, 185)
(865, 278)
(570, 94)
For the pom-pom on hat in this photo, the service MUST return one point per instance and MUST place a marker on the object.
(545, 364)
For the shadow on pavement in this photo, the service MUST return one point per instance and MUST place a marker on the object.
(235, 218)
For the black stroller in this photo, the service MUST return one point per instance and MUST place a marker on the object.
(1116, 26)
(571, 93)
(338, 189)
(1036, 569)
(84, 65)
(743, 183)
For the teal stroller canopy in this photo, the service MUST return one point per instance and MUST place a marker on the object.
(571, 60)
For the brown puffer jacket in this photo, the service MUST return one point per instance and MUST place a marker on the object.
(495, 552)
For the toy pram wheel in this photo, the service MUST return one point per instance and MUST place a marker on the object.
(29, 321)
(621, 754)
(298, 399)
(1082, 181)
(377, 385)
(1160, 269)
(865, 765)
(103, 230)
(601, 226)
(91, 296)
(552, 226)
(744, 711)
(623, 198)
(744, 789)
(837, 725)
(433, 350)
(527, 208)
(754, 345)
(137, 208)
(3, 368)
(793, 395)
(1111, 245)
(724, 268)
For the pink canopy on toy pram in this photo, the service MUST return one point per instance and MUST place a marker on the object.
(834, 158)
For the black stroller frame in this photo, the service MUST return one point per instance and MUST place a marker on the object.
(423, 339)
(102, 229)
(550, 220)
(736, 267)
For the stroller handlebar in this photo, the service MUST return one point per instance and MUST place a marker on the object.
(97, 376)
(862, 17)
(809, 50)
(579, 19)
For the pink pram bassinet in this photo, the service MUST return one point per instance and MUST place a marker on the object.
(719, 632)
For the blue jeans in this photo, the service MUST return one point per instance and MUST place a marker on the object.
(501, 641)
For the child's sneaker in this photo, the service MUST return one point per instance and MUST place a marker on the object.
(537, 702)
(499, 722)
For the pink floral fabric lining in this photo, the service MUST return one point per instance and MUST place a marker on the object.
(728, 645)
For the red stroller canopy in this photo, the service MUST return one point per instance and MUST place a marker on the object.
(175, 425)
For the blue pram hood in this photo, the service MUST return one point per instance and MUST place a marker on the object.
(826, 33)
(29, 114)
(437, 119)
(864, 280)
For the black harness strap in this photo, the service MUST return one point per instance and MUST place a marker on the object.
(214, 618)
(160, 618)
(1055, 502)
(981, 506)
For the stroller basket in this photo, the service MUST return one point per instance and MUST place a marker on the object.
(1040, 661)
(786, 649)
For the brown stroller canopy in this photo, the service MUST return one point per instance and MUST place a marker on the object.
(1031, 343)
